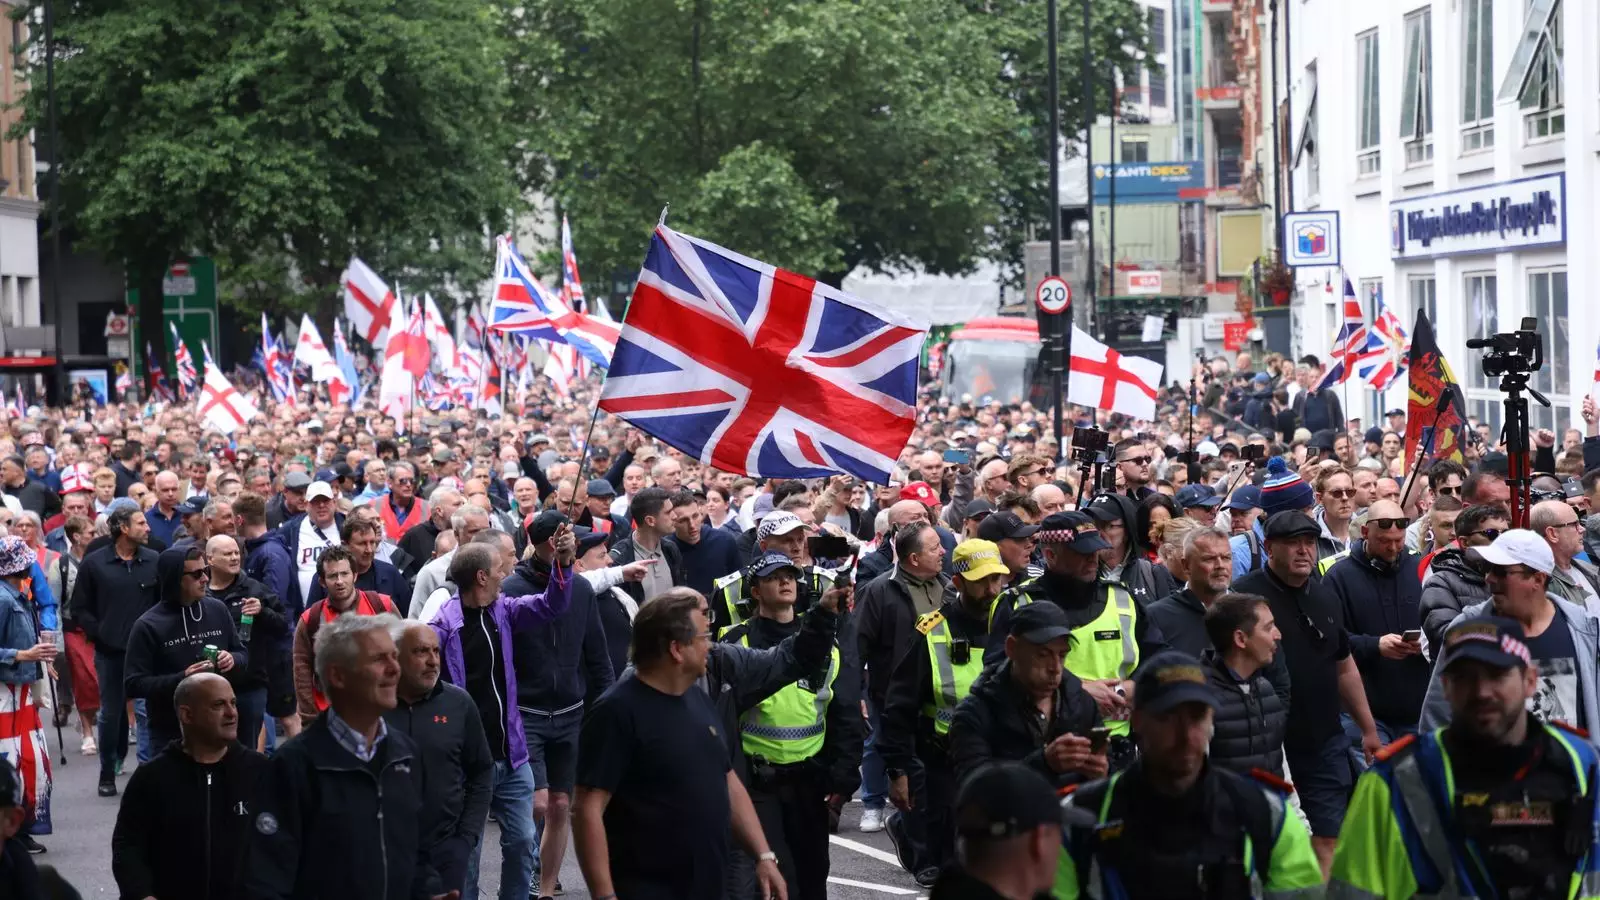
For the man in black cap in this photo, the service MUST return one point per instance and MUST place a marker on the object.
(1010, 826)
(1110, 632)
(1173, 825)
(977, 512)
(291, 501)
(1522, 804)
(1030, 709)
(1322, 674)
(1015, 538)
(596, 514)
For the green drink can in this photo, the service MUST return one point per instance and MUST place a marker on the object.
(211, 651)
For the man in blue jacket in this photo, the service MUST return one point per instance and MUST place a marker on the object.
(708, 553)
(478, 628)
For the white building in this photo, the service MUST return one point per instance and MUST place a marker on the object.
(1457, 139)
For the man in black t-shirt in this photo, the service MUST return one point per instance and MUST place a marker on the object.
(656, 793)
(1322, 675)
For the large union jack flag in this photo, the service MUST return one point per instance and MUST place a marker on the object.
(760, 371)
(524, 306)
(1390, 337)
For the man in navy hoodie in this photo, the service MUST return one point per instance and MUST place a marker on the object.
(559, 664)
(708, 553)
(168, 642)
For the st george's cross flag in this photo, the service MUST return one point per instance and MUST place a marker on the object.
(437, 333)
(221, 407)
(759, 371)
(368, 303)
(1102, 378)
(312, 352)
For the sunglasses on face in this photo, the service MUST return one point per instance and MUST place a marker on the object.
(1137, 460)
(199, 574)
(1489, 533)
(1382, 524)
(1448, 491)
(1340, 494)
(1503, 571)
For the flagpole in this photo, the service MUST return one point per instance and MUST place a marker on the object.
(588, 436)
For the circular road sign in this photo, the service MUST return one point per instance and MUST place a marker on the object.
(1052, 295)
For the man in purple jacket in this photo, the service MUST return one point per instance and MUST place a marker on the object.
(475, 628)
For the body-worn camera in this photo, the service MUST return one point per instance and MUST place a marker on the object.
(1517, 352)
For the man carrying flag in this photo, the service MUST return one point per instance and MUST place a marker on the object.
(1431, 378)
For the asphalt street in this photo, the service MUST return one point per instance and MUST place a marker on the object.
(863, 866)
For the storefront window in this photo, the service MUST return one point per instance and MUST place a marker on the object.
(1484, 312)
(1547, 302)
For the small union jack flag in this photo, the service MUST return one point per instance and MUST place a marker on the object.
(187, 377)
(523, 305)
(760, 371)
(1390, 335)
(571, 284)
(1349, 344)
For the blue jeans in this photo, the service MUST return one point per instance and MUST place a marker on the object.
(874, 781)
(113, 719)
(512, 806)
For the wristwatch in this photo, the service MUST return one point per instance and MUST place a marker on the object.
(768, 856)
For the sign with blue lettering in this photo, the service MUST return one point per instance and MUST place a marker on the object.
(1151, 182)
(1311, 239)
(1511, 215)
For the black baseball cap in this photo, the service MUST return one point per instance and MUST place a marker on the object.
(1039, 623)
(1002, 525)
(1104, 508)
(544, 525)
(1003, 800)
(978, 509)
(588, 538)
(1169, 679)
(1291, 523)
(1076, 531)
(1491, 640)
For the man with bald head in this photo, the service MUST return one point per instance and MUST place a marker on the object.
(443, 721)
(164, 518)
(265, 639)
(189, 813)
(1380, 589)
(1573, 580)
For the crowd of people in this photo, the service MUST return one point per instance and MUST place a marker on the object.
(1235, 654)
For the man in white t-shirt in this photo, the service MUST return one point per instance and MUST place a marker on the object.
(318, 530)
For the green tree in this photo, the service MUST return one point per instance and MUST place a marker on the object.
(819, 135)
(282, 138)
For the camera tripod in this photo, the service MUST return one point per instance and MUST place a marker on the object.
(1519, 475)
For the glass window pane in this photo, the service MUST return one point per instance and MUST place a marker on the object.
(1482, 306)
(1470, 64)
(1485, 59)
(1425, 91)
(1413, 70)
(1560, 361)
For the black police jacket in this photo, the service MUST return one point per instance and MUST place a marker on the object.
(905, 733)
(332, 827)
(997, 721)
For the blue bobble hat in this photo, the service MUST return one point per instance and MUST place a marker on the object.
(1284, 489)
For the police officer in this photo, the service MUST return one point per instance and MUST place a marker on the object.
(1172, 825)
(780, 532)
(1110, 634)
(1496, 804)
(934, 675)
(803, 742)
(1010, 825)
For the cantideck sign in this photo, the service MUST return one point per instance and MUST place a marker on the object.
(1511, 215)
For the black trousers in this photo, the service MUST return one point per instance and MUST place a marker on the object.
(793, 808)
(931, 823)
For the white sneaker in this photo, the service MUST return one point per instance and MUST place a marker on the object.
(89, 748)
(871, 820)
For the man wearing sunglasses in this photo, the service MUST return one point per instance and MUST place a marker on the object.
(1572, 580)
(168, 642)
(1445, 479)
(1453, 581)
(1133, 464)
(1563, 639)
(1380, 591)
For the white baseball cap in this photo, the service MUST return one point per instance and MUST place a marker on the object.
(1207, 449)
(1519, 547)
(778, 523)
(319, 489)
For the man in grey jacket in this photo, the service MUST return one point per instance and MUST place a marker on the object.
(1563, 639)
(444, 722)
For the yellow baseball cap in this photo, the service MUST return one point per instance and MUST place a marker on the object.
(976, 559)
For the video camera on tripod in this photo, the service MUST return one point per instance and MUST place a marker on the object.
(1512, 357)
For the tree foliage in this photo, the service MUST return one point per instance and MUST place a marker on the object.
(819, 135)
(283, 137)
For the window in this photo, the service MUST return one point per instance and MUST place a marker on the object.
(1534, 77)
(1547, 302)
(1483, 316)
(1368, 132)
(1477, 77)
(1158, 29)
(1306, 150)
(1135, 148)
(1424, 293)
(1158, 87)
(1416, 99)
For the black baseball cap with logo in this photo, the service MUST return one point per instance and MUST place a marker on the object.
(1002, 800)
(1003, 525)
(1075, 530)
(1170, 679)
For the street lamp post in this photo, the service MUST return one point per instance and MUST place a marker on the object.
(1060, 323)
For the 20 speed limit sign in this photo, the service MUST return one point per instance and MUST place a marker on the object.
(1052, 295)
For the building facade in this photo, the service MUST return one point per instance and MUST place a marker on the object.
(1458, 141)
(19, 201)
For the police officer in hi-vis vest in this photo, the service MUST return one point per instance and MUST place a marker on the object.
(934, 675)
(779, 532)
(1174, 826)
(1495, 804)
(1110, 634)
(803, 743)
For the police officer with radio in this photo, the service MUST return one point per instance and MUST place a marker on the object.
(803, 743)
(1110, 633)
(936, 673)
(1174, 826)
(1495, 804)
(732, 601)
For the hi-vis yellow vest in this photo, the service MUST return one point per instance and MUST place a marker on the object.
(1104, 648)
(789, 726)
(952, 681)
